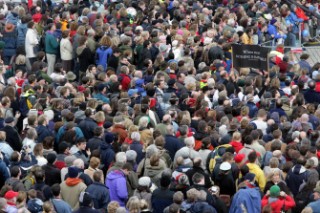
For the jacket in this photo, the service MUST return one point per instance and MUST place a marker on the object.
(66, 49)
(51, 44)
(260, 178)
(116, 181)
(160, 199)
(102, 55)
(100, 195)
(295, 177)
(200, 206)
(120, 130)
(125, 82)
(22, 31)
(87, 126)
(10, 42)
(94, 143)
(107, 155)
(137, 147)
(43, 131)
(31, 40)
(13, 138)
(246, 200)
(85, 58)
(199, 170)
(154, 172)
(172, 145)
(72, 186)
(86, 209)
(101, 97)
(280, 204)
(52, 174)
(253, 109)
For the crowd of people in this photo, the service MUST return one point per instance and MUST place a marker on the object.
(135, 106)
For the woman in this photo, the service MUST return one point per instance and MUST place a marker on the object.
(21, 202)
(48, 145)
(9, 37)
(275, 179)
(133, 205)
(31, 44)
(38, 153)
(66, 51)
(4, 146)
(84, 56)
(104, 52)
(93, 167)
(154, 168)
(99, 117)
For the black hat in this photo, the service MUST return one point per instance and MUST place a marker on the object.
(73, 172)
(171, 82)
(9, 120)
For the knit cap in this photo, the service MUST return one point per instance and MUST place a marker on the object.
(274, 191)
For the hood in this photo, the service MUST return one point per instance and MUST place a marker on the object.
(153, 171)
(41, 129)
(73, 181)
(298, 169)
(116, 174)
(80, 50)
(105, 146)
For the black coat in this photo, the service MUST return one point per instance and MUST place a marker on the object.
(94, 143)
(13, 138)
(87, 127)
(52, 174)
(172, 144)
(199, 170)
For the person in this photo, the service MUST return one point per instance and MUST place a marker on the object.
(15, 181)
(52, 173)
(73, 184)
(316, 196)
(13, 137)
(86, 204)
(162, 197)
(58, 204)
(11, 197)
(99, 192)
(31, 44)
(51, 48)
(279, 201)
(116, 181)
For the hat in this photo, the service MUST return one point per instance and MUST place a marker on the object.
(51, 157)
(249, 176)
(9, 120)
(85, 199)
(131, 92)
(273, 21)
(109, 137)
(171, 82)
(107, 125)
(10, 194)
(225, 166)
(315, 161)
(131, 155)
(71, 76)
(69, 160)
(65, 112)
(239, 158)
(274, 191)
(73, 172)
(101, 87)
(1, 45)
(144, 181)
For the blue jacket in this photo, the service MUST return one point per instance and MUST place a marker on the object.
(107, 155)
(4, 173)
(160, 199)
(315, 206)
(62, 130)
(172, 145)
(116, 181)
(293, 20)
(22, 32)
(272, 30)
(295, 177)
(61, 206)
(87, 126)
(102, 55)
(10, 40)
(137, 147)
(51, 44)
(43, 132)
(101, 97)
(100, 195)
(249, 198)
(253, 109)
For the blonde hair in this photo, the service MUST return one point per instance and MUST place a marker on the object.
(236, 136)
(113, 206)
(133, 205)
(94, 162)
(105, 41)
(99, 117)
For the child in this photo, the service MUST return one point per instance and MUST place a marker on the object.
(34, 203)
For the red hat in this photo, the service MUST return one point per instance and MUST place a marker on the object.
(239, 158)
(10, 194)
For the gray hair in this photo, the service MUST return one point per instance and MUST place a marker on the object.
(151, 150)
(121, 157)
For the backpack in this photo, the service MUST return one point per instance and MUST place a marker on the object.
(214, 155)
(40, 193)
(13, 183)
(28, 182)
(35, 205)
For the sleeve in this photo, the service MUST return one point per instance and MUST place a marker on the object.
(262, 180)
(121, 187)
(289, 202)
(264, 201)
(54, 42)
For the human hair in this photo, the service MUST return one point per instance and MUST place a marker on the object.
(38, 149)
(65, 33)
(113, 206)
(178, 197)
(121, 157)
(160, 141)
(197, 177)
(192, 195)
(105, 41)
(155, 160)
(39, 176)
(99, 117)
(94, 162)
(15, 170)
(55, 188)
(133, 205)
(97, 176)
(32, 193)
(252, 157)
(22, 197)
(274, 162)
(31, 133)
(236, 136)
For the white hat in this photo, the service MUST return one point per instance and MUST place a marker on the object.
(315, 161)
(144, 181)
(225, 166)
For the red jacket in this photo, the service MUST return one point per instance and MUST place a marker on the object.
(280, 204)
(300, 14)
(125, 82)
(236, 145)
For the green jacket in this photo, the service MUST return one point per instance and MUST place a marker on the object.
(51, 44)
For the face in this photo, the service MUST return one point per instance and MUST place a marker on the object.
(276, 178)
(82, 146)
(94, 70)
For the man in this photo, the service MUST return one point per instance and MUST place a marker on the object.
(11, 197)
(106, 151)
(172, 144)
(51, 172)
(101, 95)
(13, 137)
(116, 181)
(86, 204)
(73, 185)
(315, 205)
(99, 192)
(15, 181)
(187, 151)
(118, 128)
(88, 125)
(255, 169)
(95, 142)
(43, 190)
(197, 162)
(42, 128)
(297, 176)
(51, 47)
(79, 150)
(58, 204)
(79, 164)
(162, 197)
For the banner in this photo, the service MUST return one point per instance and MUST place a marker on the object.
(253, 56)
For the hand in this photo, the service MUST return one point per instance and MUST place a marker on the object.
(283, 194)
(88, 152)
(268, 193)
